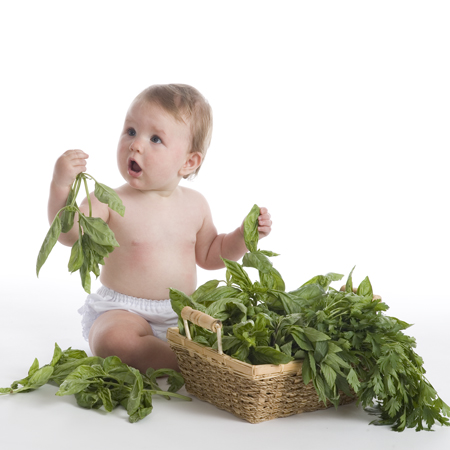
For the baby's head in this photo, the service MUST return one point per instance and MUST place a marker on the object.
(185, 104)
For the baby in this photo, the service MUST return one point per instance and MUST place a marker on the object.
(167, 229)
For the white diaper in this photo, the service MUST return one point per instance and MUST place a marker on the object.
(158, 313)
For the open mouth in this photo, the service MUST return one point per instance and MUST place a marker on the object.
(134, 167)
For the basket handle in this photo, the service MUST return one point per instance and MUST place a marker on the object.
(202, 320)
(375, 297)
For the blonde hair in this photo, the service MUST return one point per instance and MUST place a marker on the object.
(185, 102)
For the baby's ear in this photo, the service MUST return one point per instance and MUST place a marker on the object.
(193, 161)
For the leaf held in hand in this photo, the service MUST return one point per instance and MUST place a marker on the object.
(251, 234)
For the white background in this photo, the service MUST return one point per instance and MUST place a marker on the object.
(333, 114)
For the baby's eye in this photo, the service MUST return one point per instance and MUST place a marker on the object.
(156, 140)
(131, 132)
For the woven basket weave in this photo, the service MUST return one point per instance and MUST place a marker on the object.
(255, 393)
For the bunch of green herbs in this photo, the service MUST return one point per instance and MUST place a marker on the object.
(98, 382)
(96, 240)
(346, 342)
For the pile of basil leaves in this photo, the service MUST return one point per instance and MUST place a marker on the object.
(344, 339)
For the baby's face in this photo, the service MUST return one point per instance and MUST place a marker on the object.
(153, 148)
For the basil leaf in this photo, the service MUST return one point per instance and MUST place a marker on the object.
(221, 292)
(258, 260)
(272, 280)
(179, 300)
(49, 242)
(76, 257)
(68, 214)
(324, 280)
(251, 234)
(134, 399)
(226, 308)
(85, 276)
(269, 253)
(365, 288)
(34, 367)
(89, 400)
(205, 289)
(98, 230)
(107, 195)
(238, 274)
(104, 395)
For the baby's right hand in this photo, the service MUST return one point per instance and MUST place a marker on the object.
(68, 166)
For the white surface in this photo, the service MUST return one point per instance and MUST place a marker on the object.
(334, 115)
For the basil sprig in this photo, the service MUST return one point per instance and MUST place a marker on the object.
(95, 239)
(98, 382)
(345, 340)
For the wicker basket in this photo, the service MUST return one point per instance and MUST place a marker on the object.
(255, 393)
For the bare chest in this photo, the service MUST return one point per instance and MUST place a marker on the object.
(146, 226)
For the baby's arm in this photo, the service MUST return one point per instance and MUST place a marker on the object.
(211, 246)
(67, 167)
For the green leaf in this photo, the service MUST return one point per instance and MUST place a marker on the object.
(238, 274)
(242, 352)
(353, 381)
(349, 283)
(217, 294)
(85, 276)
(107, 195)
(49, 242)
(136, 393)
(76, 257)
(269, 355)
(175, 379)
(269, 253)
(306, 371)
(179, 300)
(288, 301)
(321, 350)
(272, 280)
(314, 335)
(79, 379)
(308, 292)
(324, 280)
(365, 288)
(251, 234)
(98, 230)
(34, 367)
(300, 338)
(204, 289)
(38, 379)
(68, 214)
(258, 261)
(105, 396)
(112, 362)
(57, 354)
(329, 374)
(287, 348)
(89, 400)
(225, 308)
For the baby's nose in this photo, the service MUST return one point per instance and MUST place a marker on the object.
(136, 146)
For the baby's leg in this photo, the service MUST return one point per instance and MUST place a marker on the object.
(130, 337)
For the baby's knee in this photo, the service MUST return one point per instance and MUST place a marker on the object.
(110, 342)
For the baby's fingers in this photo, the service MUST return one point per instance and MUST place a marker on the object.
(76, 157)
(264, 223)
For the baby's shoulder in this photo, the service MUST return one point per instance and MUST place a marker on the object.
(193, 199)
(191, 195)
